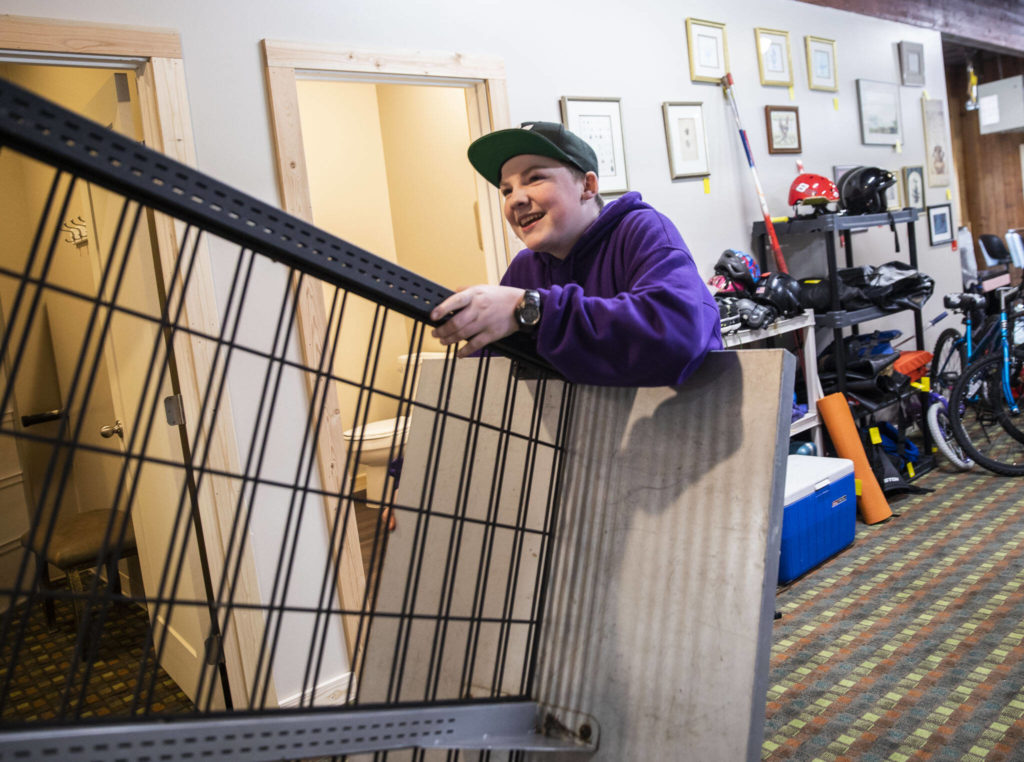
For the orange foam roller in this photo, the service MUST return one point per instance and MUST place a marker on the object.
(871, 503)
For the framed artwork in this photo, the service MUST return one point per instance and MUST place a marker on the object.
(709, 55)
(893, 197)
(686, 139)
(940, 224)
(773, 58)
(936, 149)
(821, 64)
(912, 63)
(838, 170)
(879, 103)
(599, 122)
(913, 186)
(782, 124)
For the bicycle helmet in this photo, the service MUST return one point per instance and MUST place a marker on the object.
(862, 189)
(813, 190)
(738, 267)
(781, 291)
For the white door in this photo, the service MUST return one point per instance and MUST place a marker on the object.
(122, 384)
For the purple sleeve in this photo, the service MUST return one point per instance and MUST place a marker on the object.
(657, 327)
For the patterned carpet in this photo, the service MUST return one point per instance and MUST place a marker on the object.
(909, 645)
(39, 686)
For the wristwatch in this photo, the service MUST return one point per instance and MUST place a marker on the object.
(527, 312)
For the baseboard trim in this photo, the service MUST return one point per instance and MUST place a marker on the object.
(331, 692)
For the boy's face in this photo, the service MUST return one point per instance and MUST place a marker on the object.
(547, 205)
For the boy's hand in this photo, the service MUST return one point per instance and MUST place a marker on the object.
(483, 314)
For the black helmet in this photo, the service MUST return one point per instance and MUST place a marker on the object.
(781, 291)
(862, 189)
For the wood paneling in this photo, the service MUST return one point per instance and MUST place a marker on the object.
(988, 166)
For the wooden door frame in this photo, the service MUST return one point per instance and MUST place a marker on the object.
(156, 57)
(487, 100)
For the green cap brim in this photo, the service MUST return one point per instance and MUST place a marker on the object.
(489, 153)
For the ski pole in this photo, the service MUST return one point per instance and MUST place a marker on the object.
(780, 261)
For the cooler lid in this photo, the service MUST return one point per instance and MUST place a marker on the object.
(382, 429)
(806, 474)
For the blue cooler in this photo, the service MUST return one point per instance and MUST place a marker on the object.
(820, 514)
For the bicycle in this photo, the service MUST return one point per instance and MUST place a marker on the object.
(984, 404)
(955, 351)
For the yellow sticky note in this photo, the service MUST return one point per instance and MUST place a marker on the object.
(856, 487)
(835, 103)
(924, 95)
(707, 185)
(876, 437)
(910, 470)
(899, 147)
(792, 96)
(949, 195)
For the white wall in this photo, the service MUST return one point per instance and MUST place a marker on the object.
(599, 48)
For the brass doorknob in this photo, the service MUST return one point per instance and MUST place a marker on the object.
(108, 431)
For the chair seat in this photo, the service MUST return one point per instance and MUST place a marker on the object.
(78, 539)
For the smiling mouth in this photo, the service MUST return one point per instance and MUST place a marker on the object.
(527, 220)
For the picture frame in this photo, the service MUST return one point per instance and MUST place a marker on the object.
(940, 224)
(893, 195)
(913, 186)
(686, 139)
(774, 61)
(911, 63)
(782, 123)
(937, 159)
(821, 64)
(838, 170)
(708, 50)
(880, 119)
(599, 122)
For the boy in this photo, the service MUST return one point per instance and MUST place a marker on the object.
(610, 292)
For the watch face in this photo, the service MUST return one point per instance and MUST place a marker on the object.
(529, 314)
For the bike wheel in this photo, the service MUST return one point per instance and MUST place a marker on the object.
(942, 435)
(948, 360)
(981, 419)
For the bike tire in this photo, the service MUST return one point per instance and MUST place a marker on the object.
(948, 361)
(981, 420)
(942, 434)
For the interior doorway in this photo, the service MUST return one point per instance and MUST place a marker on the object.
(62, 331)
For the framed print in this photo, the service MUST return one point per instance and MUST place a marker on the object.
(782, 124)
(838, 170)
(686, 139)
(773, 57)
(821, 64)
(709, 55)
(940, 224)
(880, 122)
(912, 63)
(936, 149)
(913, 186)
(599, 122)
(893, 197)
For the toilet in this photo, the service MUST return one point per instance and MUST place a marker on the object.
(383, 440)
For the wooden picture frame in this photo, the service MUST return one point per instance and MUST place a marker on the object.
(911, 63)
(913, 186)
(774, 60)
(686, 138)
(782, 123)
(599, 122)
(821, 64)
(708, 50)
(940, 224)
(880, 120)
(893, 195)
(937, 159)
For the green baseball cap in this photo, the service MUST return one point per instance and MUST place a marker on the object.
(489, 153)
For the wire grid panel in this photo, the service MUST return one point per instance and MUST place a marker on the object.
(266, 573)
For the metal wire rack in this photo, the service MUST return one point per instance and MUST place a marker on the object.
(274, 592)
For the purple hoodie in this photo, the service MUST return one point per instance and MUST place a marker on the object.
(627, 306)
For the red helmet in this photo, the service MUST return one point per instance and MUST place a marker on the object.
(813, 190)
